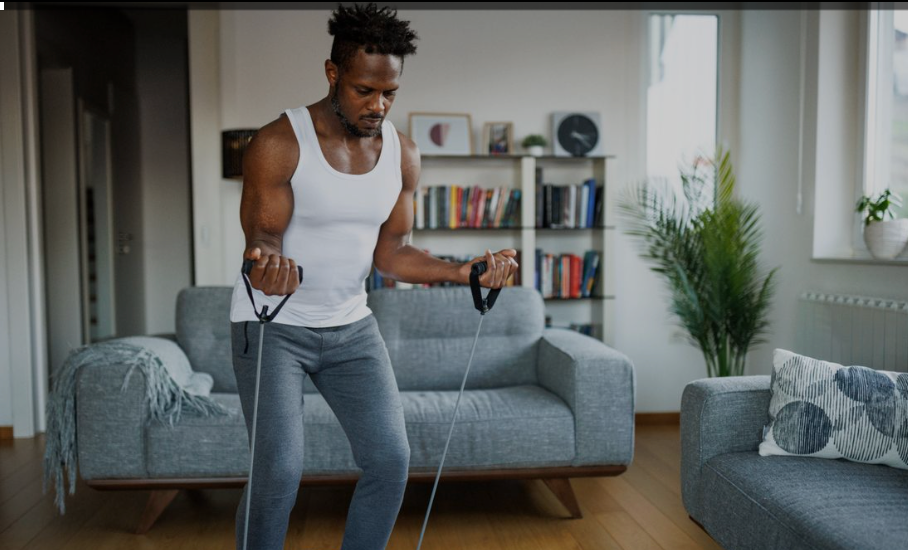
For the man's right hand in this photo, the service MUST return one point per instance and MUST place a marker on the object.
(273, 274)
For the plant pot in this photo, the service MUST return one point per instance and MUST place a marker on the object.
(535, 150)
(886, 239)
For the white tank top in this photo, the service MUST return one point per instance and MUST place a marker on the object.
(332, 233)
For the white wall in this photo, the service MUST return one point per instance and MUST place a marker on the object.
(768, 169)
(482, 63)
(161, 83)
(273, 60)
(22, 356)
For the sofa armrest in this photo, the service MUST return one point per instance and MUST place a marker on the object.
(718, 416)
(598, 383)
(110, 423)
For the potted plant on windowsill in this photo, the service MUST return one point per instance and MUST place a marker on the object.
(534, 143)
(706, 245)
(884, 238)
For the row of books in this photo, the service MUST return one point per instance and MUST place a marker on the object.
(568, 206)
(557, 275)
(567, 275)
(375, 280)
(455, 206)
(557, 206)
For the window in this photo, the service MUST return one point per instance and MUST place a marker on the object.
(681, 103)
(886, 115)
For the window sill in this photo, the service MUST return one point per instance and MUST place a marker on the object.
(862, 257)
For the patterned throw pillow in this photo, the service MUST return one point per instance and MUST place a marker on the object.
(826, 410)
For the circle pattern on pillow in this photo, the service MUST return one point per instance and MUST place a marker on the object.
(826, 410)
(802, 428)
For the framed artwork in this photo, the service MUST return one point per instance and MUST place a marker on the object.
(442, 133)
(498, 138)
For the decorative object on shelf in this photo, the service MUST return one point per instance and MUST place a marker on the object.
(884, 238)
(498, 138)
(442, 133)
(534, 144)
(576, 134)
(233, 145)
(706, 245)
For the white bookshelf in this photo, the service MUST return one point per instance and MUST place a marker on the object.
(517, 170)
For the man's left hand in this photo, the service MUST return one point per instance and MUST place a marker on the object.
(499, 267)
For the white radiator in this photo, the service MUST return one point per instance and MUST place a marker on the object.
(854, 330)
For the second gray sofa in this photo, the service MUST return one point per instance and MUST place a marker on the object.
(748, 502)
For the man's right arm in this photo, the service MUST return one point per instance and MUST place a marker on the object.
(266, 206)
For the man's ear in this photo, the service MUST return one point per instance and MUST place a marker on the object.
(331, 72)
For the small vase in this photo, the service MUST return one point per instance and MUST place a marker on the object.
(535, 150)
(886, 239)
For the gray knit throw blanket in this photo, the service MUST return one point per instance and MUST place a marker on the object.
(164, 400)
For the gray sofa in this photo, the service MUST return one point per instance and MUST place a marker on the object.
(747, 501)
(544, 403)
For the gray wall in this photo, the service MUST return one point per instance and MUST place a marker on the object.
(162, 86)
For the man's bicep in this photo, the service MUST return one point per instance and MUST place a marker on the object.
(399, 224)
(267, 200)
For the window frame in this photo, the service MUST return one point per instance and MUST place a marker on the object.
(876, 60)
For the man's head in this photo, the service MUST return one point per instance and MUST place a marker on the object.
(367, 58)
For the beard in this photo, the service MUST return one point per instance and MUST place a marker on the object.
(347, 124)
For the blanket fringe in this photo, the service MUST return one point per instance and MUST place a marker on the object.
(164, 398)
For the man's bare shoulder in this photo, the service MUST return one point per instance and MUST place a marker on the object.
(408, 146)
(409, 161)
(273, 150)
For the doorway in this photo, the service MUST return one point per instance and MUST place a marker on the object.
(96, 225)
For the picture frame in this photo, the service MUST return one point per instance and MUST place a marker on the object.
(442, 133)
(498, 138)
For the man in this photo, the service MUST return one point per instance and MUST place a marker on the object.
(330, 187)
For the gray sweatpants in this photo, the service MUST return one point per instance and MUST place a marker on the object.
(350, 367)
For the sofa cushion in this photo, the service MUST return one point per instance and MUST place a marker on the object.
(434, 326)
(203, 331)
(433, 329)
(521, 426)
(749, 501)
(826, 410)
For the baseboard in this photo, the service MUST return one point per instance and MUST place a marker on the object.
(6, 432)
(658, 419)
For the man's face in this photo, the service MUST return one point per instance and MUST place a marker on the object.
(363, 94)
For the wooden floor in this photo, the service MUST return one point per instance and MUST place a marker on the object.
(638, 510)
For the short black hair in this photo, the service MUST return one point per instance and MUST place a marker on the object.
(376, 29)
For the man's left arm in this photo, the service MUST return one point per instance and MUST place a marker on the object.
(395, 258)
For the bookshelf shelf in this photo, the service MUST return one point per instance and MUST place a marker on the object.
(556, 299)
(553, 229)
(529, 175)
(519, 157)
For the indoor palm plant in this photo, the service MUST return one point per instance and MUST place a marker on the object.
(705, 243)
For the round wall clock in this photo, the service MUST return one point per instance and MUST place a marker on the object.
(576, 134)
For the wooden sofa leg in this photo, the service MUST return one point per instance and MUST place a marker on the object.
(561, 486)
(157, 502)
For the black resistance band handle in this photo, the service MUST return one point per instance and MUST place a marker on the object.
(263, 315)
(482, 304)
